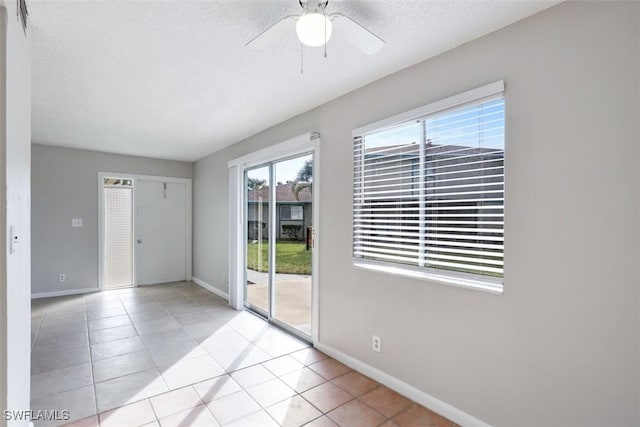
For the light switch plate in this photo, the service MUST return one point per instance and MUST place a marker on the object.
(76, 222)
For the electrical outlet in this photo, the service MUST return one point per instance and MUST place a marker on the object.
(376, 344)
(62, 277)
(76, 222)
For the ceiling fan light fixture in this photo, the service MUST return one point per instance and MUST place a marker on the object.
(311, 29)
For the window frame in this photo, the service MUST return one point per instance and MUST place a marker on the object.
(478, 282)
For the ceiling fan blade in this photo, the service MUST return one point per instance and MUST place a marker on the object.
(356, 34)
(274, 33)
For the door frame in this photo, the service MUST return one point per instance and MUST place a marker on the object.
(136, 178)
(303, 144)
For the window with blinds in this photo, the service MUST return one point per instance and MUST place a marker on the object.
(429, 192)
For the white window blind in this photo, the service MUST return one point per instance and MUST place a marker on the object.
(429, 192)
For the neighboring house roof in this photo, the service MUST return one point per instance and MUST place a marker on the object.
(432, 150)
(284, 193)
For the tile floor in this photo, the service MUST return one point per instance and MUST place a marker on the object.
(176, 355)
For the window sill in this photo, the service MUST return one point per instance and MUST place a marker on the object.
(492, 286)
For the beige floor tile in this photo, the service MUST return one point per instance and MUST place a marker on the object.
(48, 358)
(195, 318)
(101, 313)
(355, 383)
(91, 421)
(282, 365)
(189, 371)
(61, 320)
(109, 322)
(327, 397)
(419, 416)
(175, 401)
(194, 338)
(270, 392)
(216, 388)
(183, 309)
(197, 416)
(277, 343)
(254, 375)
(67, 341)
(59, 380)
(356, 414)
(323, 421)
(149, 312)
(173, 337)
(116, 348)
(233, 407)
(80, 403)
(385, 401)
(173, 352)
(139, 307)
(308, 356)
(112, 334)
(293, 412)
(233, 359)
(329, 368)
(133, 415)
(258, 419)
(53, 330)
(156, 325)
(303, 380)
(119, 366)
(131, 388)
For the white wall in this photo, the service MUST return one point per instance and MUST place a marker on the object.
(561, 347)
(15, 137)
(65, 186)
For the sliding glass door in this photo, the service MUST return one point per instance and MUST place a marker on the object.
(279, 244)
(257, 295)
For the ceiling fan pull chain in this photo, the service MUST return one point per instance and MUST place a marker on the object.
(324, 13)
(301, 58)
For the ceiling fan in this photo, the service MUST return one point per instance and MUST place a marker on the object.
(315, 27)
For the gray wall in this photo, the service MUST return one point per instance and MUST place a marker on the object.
(65, 186)
(15, 137)
(561, 346)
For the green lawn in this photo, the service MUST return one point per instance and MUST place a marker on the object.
(291, 257)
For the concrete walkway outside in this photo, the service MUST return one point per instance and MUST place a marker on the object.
(293, 297)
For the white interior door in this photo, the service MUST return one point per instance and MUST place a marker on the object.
(161, 231)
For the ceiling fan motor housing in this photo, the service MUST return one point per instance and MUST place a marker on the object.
(313, 5)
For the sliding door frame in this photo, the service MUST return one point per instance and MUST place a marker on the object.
(136, 178)
(308, 143)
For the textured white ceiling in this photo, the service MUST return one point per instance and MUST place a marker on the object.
(172, 79)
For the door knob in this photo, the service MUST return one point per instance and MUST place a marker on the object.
(139, 240)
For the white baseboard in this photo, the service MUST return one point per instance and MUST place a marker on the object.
(211, 288)
(63, 293)
(454, 414)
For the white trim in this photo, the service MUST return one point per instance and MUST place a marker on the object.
(315, 255)
(289, 148)
(64, 293)
(460, 280)
(446, 410)
(306, 143)
(490, 89)
(136, 178)
(236, 237)
(211, 288)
